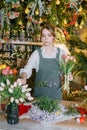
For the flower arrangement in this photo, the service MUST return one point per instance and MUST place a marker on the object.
(67, 64)
(15, 92)
(6, 72)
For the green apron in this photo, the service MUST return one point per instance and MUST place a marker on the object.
(47, 80)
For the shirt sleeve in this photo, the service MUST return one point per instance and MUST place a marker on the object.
(64, 49)
(33, 63)
(62, 52)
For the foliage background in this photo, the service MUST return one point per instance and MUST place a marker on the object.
(23, 19)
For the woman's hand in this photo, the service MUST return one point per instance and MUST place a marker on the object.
(21, 81)
(23, 78)
(24, 81)
(70, 76)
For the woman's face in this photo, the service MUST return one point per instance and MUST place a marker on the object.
(47, 38)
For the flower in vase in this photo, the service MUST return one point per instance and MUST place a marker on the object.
(6, 72)
(14, 92)
(67, 63)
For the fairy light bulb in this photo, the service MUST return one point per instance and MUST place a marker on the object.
(40, 20)
(80, 9)
(80, 27)
(65, 21)
(76, 24)
(20, 22)
(37, 12)
(82, 22)
(57, 2)
(26, 10)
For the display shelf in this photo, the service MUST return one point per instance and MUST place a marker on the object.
(25, 47)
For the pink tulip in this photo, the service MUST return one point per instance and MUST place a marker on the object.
(5, 72)
(63, 56)
(85, 87)
(10, 72)
(7, 67)
(67, 58)
(72, 58)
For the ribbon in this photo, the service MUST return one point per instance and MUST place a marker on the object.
(23, 109)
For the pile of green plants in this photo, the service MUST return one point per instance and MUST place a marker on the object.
(48, 104)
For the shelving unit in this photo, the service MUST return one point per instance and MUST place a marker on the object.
(8, 49)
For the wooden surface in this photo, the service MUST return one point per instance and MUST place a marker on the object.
(71, 124)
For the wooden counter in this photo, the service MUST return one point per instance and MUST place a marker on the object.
(27, 124)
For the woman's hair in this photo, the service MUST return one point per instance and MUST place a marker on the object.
(50, 28)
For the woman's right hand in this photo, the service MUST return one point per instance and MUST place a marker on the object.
(23, 78)
(24, 81)
(21, 81)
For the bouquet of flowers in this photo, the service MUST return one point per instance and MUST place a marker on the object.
(6, 72)
(14, 95)
(67, 64)
(15, 92)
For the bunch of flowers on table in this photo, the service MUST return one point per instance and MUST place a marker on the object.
(67, 63)
(16, 92)
(6, 72)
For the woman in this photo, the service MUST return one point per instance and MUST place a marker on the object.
(46, 63)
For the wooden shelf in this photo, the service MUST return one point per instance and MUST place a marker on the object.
(9, 48)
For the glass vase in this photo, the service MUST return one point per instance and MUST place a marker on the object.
(12, 114)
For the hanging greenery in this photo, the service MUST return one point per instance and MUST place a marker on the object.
(29, 15)
(11, 1)
(53, 15)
